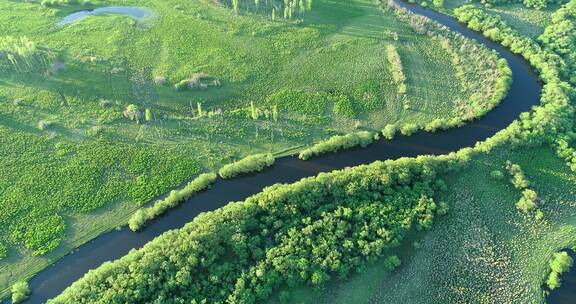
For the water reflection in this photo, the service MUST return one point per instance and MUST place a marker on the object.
(135, 12)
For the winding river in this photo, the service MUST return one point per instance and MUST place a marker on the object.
(524, 93)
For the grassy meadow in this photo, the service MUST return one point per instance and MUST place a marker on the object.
(527, 21)
(76, 162)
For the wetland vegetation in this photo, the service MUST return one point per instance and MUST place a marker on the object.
(101, 116)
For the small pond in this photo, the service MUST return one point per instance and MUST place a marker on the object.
(135, 12)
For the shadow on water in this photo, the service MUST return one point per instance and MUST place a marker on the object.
(138, 13)
(524, 93)
(566, 294)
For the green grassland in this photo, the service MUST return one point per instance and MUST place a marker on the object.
(527, 21)
(73, 166)
(484, 249)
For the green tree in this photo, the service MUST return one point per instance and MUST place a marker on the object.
(133, 113)
(235, 4)
(20, 292)
(275, 114)
(199, 109)
(148, 115)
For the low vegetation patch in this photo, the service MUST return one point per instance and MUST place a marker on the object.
(139, 219)
(560, 263)
(337, 143)
(198, 81)
(249, 164)
(20, 292)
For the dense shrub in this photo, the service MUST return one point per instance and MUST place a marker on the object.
(528, 201)
(40, 235)
(77, 178)
(139, 219)
(249, 164)
(303, 233)
(560, 38)
(560, 263)
(565, 151)
(409, 129)
(389, 131)
(20, 292)
(337, 143)
(518, 179)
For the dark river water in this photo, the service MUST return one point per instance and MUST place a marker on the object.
(524, 93)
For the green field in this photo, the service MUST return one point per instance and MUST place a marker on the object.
(74, 165)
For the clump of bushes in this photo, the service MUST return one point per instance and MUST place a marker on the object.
(45, 124)
(133, 113)
(408, 129)
(560, 263)
(249, 164)
(392, 262)
(518, 179)
(139, 219)
(20, 292)
(389, 131)
(337, 143)
(198, 81)
(528, 202)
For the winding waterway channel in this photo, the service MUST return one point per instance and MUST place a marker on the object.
(524, 93)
